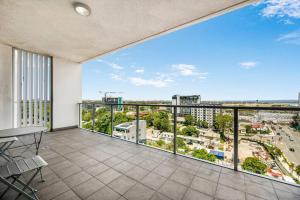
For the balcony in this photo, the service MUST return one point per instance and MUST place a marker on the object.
(92, 152)
(86, 165)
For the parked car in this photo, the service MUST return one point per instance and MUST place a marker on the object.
(292, 149)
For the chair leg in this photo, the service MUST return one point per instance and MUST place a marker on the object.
(42, 179)
(16, 189)
(7, 189)
(26, 185)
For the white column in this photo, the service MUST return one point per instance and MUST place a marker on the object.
(35, 88)
(17, 87)
(30, 87)
(45, 88)
(24, 83)
(41, 90)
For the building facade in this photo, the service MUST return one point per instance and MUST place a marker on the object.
(206, 114)
(185, 100)
(299, 102)
(127, 131)
(114, 100)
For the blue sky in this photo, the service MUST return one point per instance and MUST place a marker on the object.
(252, 53)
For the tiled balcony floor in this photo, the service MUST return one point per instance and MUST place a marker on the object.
(84, 165)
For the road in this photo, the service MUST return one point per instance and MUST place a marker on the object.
(285, 143)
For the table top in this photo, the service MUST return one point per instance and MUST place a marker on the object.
(15, 132)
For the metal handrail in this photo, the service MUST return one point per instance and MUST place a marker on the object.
(277, 108)
(235, 110)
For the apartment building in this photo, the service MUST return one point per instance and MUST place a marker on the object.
(206, 114)
(185, 100)
(299, 102)
(127, 131)
(114, 100)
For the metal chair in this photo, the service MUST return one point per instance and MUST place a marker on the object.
(5, 144)
(14, 169)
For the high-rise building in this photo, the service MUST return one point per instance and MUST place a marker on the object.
(185, 100)
(299, 102)
(114, 100)
(206, 114)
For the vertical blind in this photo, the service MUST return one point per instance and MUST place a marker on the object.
(32, 88)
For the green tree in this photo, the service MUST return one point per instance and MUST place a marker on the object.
(180, 144)
(199, 123)
(205, 124)
(87, 125)
(160, 143)
(254, 165)
(120, 118)
(188, 120)
(277, 151)
(190, 131)
(202, 124)
(102, 121)
(161, 121)
(297, 170)
(248, 129)
(291, 166)
(86, 116)
(203, 154)
(296, 122)
(223, 124)
(149, 119)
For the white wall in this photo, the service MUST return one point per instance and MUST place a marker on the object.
(66, 92)
(6, 87)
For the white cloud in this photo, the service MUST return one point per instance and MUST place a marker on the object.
(291, 38)
(140, 71)
(248, 64)
(116, 77)
(189, 70)
(288, 22)
(112, 65)
(281, 8)
(116, 66)
(157, 82)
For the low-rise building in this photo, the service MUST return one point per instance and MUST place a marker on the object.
(127, 131)
(205, 114)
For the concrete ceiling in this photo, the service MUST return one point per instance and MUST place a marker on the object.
(52, 27)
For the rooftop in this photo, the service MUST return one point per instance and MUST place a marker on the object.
(86, 165)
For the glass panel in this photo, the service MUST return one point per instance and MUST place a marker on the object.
(102, 119)
(206, 133)
(269, 143)
(86, 116)
(124, 123)
(156, 127)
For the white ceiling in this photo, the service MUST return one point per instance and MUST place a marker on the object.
(52, 27)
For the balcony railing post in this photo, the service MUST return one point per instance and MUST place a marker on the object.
(79, 114)
(93, 117)
(235, 140)
(174, 129)
(111, 119)
(137, 124)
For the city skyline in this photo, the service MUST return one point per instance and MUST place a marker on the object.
(258, 60)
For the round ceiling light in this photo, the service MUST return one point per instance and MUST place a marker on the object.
(82, 9)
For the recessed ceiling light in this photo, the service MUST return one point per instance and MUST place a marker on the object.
(82, 9)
